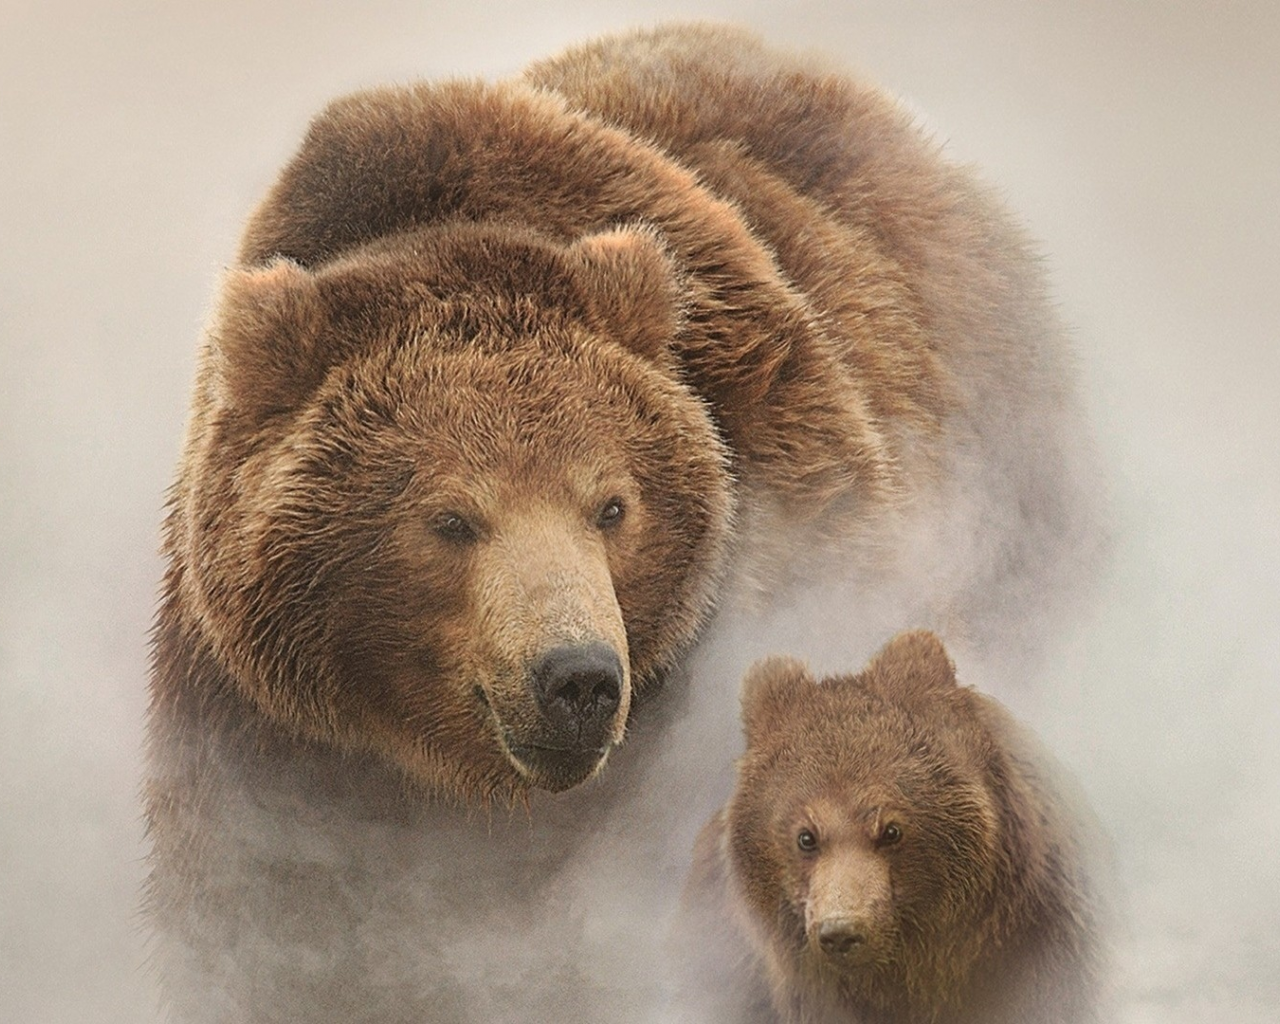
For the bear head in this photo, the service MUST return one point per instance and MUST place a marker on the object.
(863, 832)
(446, 500)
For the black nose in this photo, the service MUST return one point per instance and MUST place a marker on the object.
(578, 687)
(841, 938)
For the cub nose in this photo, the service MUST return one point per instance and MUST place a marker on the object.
(578, 687)
(841, 937)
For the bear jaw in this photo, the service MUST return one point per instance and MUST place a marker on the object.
(551, 756)
(559, 773)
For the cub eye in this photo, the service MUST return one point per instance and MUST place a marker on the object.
(890, 834)
(806, 840)
(610, 514)
(452, 527)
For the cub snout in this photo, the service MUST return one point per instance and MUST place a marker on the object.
(842, 939)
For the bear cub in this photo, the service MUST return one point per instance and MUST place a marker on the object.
(895, 852)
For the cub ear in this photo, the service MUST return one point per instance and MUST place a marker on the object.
(633, 287)
(266, 338)
(770, 690)
(913, 662)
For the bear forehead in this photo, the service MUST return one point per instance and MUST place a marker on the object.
(818, 770)
(840, 808)
(856, 789)
(839, 708)
(523, 487)
(512, 383)
(828, 717)
(862, 741)
(482, 285)
(476, 413)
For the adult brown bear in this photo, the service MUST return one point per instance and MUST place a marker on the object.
(509, 386)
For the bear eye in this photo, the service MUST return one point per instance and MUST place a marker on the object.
(806, 840)
(610, 514)
(890, 834)
(453, 527)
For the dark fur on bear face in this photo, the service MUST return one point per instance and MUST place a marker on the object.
(462, 524)
(898, 861)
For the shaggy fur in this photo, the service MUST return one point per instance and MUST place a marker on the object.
(507, 370)
(896, 852)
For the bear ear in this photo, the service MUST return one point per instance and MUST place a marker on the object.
(913, 663)
(266, 337)
(770, 691)
(633, 288)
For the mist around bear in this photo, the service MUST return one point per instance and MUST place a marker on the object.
(531, 414)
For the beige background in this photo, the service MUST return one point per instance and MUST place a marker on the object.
(1140, 141)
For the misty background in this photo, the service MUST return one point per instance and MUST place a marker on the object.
(1139, 141)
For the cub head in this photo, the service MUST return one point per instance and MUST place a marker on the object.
(445, 499)
(862, 832)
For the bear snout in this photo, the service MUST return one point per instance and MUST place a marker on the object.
(578, 688)
(848, 908)
(580, 693)
(843, 939)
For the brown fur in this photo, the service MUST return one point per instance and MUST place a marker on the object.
(418, 401)
(748, 302)
(925, 296)
(977, 910)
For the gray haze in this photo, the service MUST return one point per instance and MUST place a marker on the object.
(1141, 143)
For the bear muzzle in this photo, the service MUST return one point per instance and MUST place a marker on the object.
(578, 690)
(845, 941)
(848, 909)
